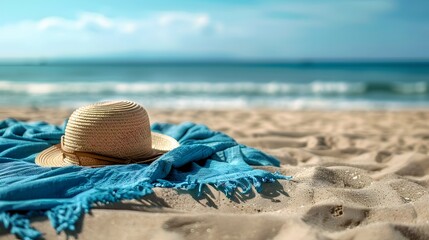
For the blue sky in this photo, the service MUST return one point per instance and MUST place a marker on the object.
(298, 29)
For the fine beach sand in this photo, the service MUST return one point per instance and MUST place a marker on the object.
(356, 175)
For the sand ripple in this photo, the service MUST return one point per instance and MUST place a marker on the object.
(357, 175)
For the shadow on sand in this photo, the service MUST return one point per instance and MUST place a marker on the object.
(208, 198)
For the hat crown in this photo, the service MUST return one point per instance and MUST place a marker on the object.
(119, 129)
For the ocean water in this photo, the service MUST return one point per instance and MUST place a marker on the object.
(329, 86)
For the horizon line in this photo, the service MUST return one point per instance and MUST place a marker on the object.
(209, 61)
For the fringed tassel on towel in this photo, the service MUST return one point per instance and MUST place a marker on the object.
(205, 157)
(64, 217)
(229, 186)
(19, 225)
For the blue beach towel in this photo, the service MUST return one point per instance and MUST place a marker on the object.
(64, 194)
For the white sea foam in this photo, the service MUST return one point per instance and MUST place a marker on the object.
(268, 89)
(287, 103)
(314, 95)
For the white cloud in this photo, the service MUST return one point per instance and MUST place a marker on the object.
(97, 21)
(94, 33)
(197, 21)
(271, 30)
(86, 21)
(51, 22)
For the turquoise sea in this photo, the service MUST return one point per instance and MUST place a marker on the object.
(304, 85)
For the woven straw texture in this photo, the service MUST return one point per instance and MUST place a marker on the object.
(114, 129)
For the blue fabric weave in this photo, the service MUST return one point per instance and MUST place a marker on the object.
(64, 194)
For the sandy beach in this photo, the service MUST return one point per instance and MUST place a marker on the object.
(356, 175)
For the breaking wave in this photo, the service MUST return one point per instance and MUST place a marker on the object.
(213, 89)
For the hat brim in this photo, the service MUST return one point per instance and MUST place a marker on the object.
(54, 157)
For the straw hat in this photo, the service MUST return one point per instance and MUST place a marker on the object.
(106, 133)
